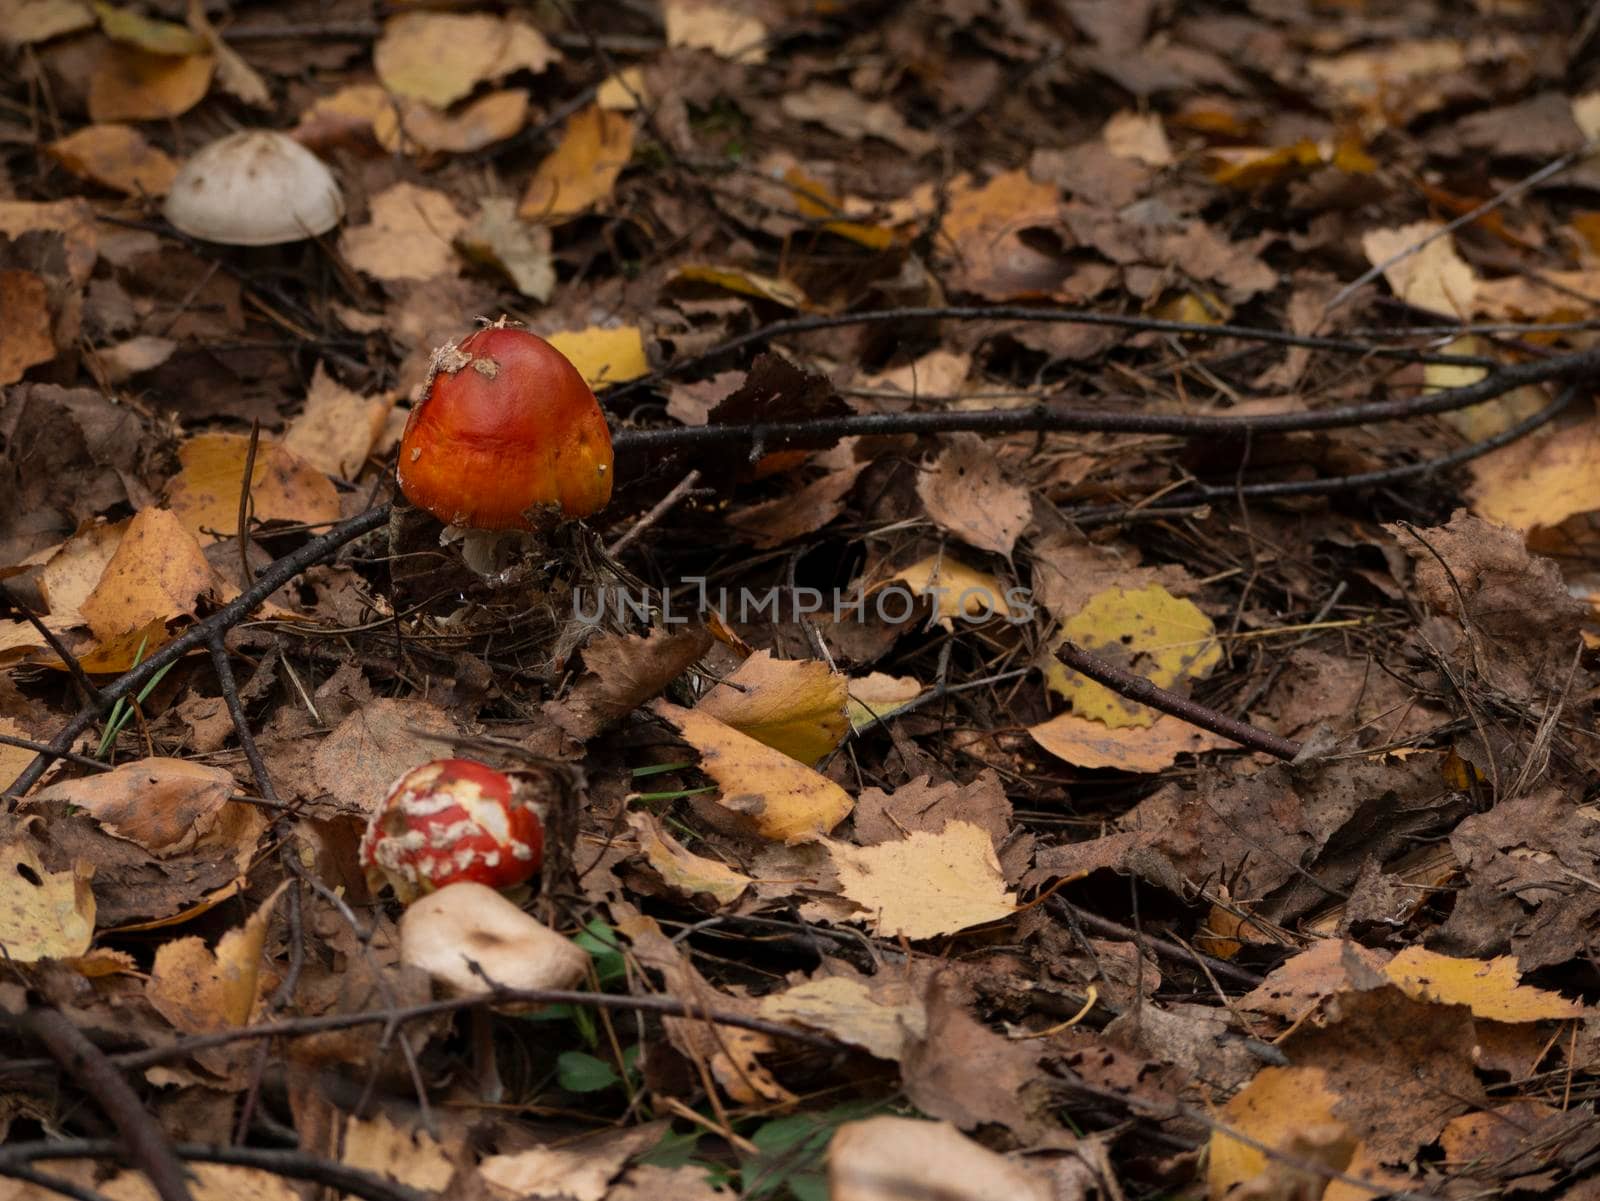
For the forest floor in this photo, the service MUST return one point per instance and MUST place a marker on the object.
(953, 353)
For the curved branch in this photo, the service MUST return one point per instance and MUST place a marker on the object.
(1017, 312)
(768, 435)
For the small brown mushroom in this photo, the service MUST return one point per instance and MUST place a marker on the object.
(254, 188)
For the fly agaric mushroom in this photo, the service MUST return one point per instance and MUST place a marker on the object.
(450, 821)
(506, 436)
(470, 940)
(256, 187)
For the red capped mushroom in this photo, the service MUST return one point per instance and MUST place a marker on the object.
(450, 821)
(507, 436)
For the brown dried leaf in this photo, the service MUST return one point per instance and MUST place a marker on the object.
(337, 429)
(158, 573)
(967, 493)
(165, 806)
(409, 235)
(25, 324)
(622, 672)
(198, 990)
(115, 156)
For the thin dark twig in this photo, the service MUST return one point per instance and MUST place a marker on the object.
(665, 1006)
(296, 1165)
(241, 724)
(243, 527)
(275, 576)
(1013, 312)
(657, 511)
(142, 1139)
(80, 678)
(1137, 688)
(1161, 946)
(1187, 500)
(53, 1184)
(41, 748)
(1045, 417)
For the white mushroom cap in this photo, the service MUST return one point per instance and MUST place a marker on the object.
(444, 930)
(254, 188)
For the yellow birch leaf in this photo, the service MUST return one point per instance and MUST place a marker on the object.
(926, 884)
(796, 706)
(43, 915)
(1151, 633)
(205, 494)
(876, 696)
(681, 869)
(604, 356)
(765, 793)
(956, 589)
(1275, 1105)
(1490, 988)
(594, 148)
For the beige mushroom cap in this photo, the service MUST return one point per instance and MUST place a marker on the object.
(254, 188)
(444, 930)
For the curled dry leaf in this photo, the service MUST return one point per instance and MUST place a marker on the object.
(765, 793)
(796, 706)
(199, 990)
(681, 869)
(622, 671)
(164, 805)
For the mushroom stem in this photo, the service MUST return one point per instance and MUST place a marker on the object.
(491, 1089)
